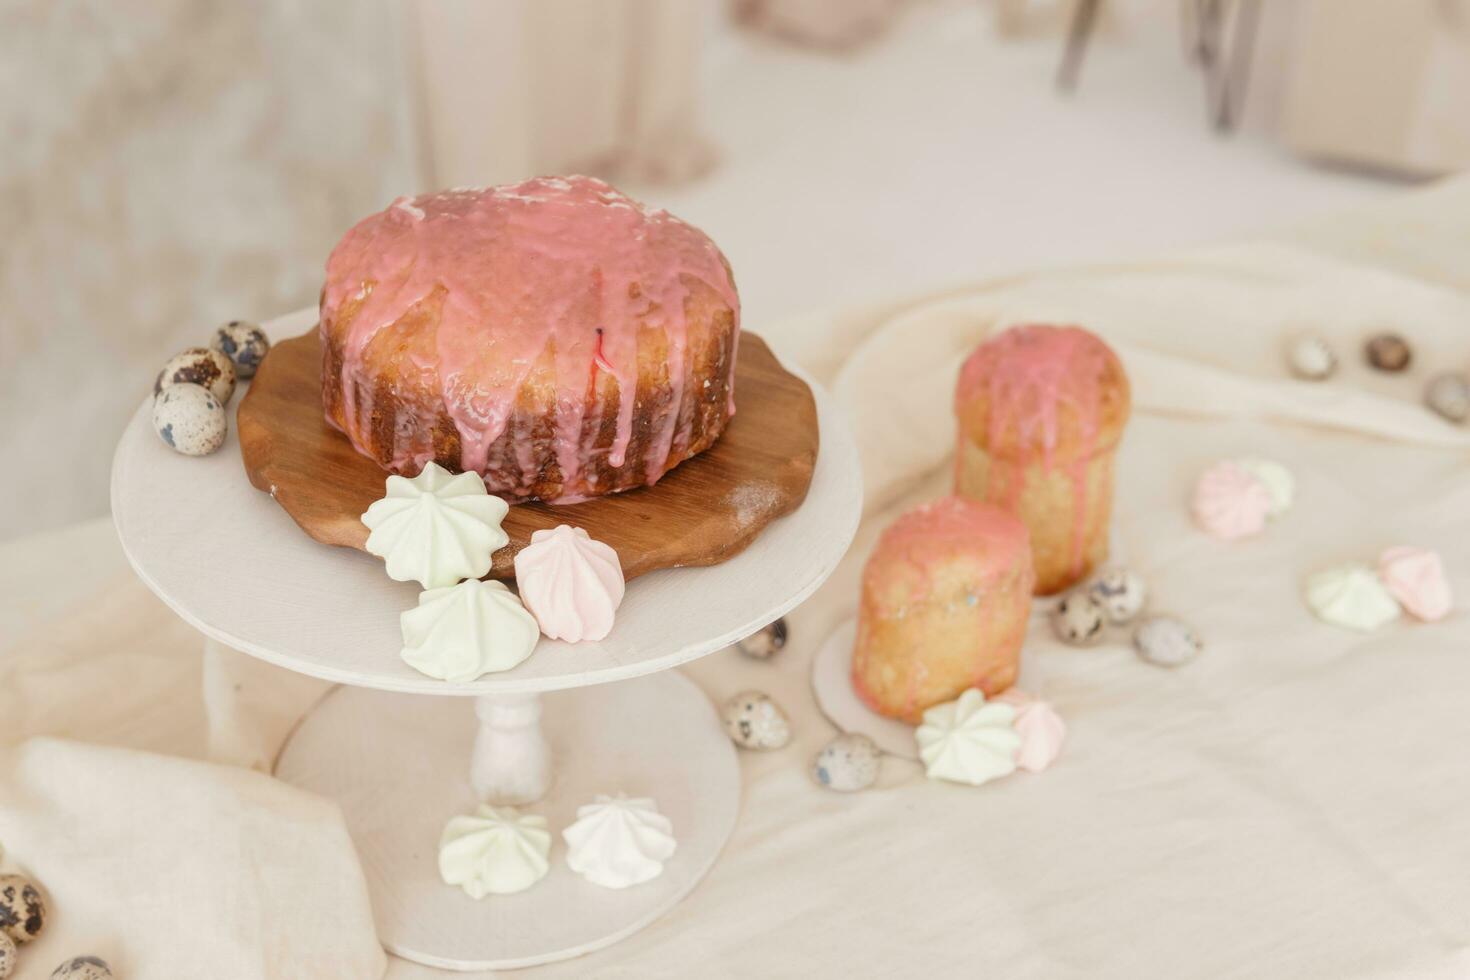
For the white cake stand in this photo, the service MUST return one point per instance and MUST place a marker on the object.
(232, 564)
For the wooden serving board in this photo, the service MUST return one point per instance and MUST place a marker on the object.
(704, 511)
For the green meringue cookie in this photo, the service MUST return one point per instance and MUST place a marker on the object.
(1350, 596)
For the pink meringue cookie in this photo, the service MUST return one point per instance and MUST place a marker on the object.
(1041, 729)
(1230, 503)
(571, 583)
(1415, 577)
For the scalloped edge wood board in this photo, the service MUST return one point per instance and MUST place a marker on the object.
(704, 511)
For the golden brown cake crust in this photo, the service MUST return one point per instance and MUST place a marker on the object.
(401, 390)
(946, 596)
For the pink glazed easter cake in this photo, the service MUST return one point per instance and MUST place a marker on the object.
(555, 336)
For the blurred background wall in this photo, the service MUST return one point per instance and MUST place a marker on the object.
(167, 166)
(171, 164)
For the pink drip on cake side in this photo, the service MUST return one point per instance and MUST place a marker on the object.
(1029, 373)
(569, 265)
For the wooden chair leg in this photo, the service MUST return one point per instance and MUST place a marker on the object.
(1079, 32)
(1207, 20)
(1228, 78)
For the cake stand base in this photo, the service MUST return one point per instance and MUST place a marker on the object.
(400, 768)
(832, 685)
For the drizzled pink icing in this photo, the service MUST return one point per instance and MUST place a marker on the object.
(566, 268)
(1030, 374)
(992, 537)
(1035, 378)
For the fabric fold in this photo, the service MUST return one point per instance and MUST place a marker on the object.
(161, 865)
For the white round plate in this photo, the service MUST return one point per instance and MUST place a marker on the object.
(832, 685)
(231, 563)
(399, 768)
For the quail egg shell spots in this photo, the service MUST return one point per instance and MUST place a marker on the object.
(83, 968)
(189, 419)
(1121, 593)
(199, 366)
(1449, 395)
(847, 763)
(765, 644)
(1388, 352)
(22, 910)
(1078, 619)
(244, 343)
(754, 721)
(7, 956)
(1166, 642)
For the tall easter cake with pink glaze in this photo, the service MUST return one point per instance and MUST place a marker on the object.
(945, 599)
(1041, 410)
(554, 336)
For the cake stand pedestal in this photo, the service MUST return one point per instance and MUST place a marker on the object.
(511, 760)
(400, 766)
(231, 563)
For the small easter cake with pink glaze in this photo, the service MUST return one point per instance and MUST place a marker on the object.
(554, 336)
(945, 599)
(1041, 410)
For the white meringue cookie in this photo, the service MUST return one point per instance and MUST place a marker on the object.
(618, 842)
(1350, 596)
(969, 740)
(1416, 578)
(495, 851)
(1041, 729)
(473, 628)
(1277, 479)
(572, 583)
(436, 528)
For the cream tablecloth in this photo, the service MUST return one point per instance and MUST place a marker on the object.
(1293, 804)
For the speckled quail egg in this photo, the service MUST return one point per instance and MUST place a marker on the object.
(754, 721)
(766, 643)
(199, 366)
(1388, 352)
(1078, 619)
(244, 343)
(189, 419)
(1309, 357)
(83, 968)
(22, 910)
(1121, 593)
(1449, 395)
(8, 956)
(847, 763)
(1166, 642)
